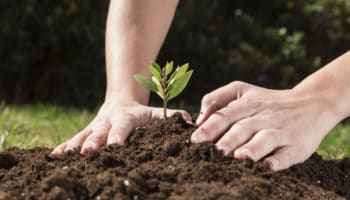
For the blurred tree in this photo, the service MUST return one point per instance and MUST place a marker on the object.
(53, 51)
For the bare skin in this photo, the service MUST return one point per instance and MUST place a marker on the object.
(283, 127)
(287, 126)
(134, 35)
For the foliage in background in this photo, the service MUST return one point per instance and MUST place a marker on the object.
(53, 51)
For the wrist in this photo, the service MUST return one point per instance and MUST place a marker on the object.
(127, 95)
(323, 97)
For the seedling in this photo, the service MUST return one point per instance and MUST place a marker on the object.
(165, 82)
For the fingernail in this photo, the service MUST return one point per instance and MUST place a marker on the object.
(200, 118)
(88, 147)
(54, 153)
(272, 163)
(189, 122)
(115, 140)
(198, 137)
(241, 153)
(69, 149)
(225, 149)
(85, 150)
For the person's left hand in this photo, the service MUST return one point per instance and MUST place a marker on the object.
(285, 126)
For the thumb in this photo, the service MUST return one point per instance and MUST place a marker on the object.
(185, 114)
(158, 113)
(219, 98)
(120, 131)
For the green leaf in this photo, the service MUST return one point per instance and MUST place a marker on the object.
(160, 94)
(178, 72)
(173, 75)
(169, 67)
(179, 85)
(156, 66)
(159, 87)
(156, 71)
(146, 82)
(156, 81)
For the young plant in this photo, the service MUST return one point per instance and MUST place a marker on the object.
(166, 82)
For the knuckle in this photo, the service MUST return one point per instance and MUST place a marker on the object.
(251, 102)
(208, 99)
(101, 128)
(246, 125)
(267, 113)
(225, 142)
(231, 139)
(237, 84)
(93, 137)
(274, 137)
(268, 134)
(240, 86)
(220, 118)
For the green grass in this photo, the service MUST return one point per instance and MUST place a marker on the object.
(336, 144)
(43, 125)
(39, 125)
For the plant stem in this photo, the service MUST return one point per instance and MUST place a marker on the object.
(165, 93)
(165, 108)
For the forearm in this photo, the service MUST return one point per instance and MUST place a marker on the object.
(331, 84)
(135, 32)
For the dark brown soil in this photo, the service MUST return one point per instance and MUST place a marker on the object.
(159, 162)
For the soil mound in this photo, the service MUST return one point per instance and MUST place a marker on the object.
(159, 162)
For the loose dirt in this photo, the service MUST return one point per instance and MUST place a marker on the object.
(159, 162)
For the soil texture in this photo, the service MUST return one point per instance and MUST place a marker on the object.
(159, 162)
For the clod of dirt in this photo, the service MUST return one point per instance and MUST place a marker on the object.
(62, 185)
(7, 161)
(158, 161)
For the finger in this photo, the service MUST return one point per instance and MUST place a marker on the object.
(59, 150)
(221, 120)
(158, 113)
(262, 143)
(239, 133)
(219, 98)
(96, 139)
(78, 139)
(185, 114)
(120, 131)
(285, 157)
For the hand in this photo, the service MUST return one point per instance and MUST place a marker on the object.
(285, 126)
(113, 124)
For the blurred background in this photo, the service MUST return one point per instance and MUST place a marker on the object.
(52, 52)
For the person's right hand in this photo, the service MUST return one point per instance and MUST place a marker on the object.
(113, 124)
